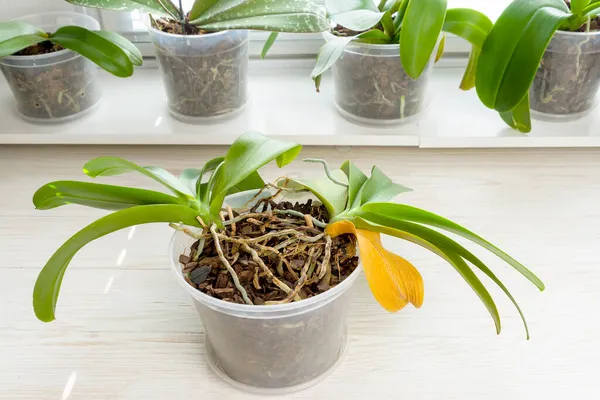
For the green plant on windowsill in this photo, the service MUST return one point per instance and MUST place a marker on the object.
(513, 54)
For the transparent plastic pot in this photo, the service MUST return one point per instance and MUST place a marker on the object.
(53, 87)
(205, 76)
(566, 83)
(270, 349)
(372, 88)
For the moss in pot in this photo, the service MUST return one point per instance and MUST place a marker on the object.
(269, 277)
(203, 52)
(50, 67)
(541, 55)
(382, 54)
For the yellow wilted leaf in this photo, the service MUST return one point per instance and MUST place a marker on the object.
(394, 281)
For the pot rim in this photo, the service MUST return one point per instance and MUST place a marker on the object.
(205, 35)
(571, 33)
(327, 35)
(264, 310)
(56, 53)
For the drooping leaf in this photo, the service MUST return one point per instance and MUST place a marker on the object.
(468, 80)
(440, 50)
(388, 214)
(248, 154)
(379, 187)
(129, 48)
(450, 256)
(511, 54)
(356, 180)
(106, 54)
(420, 32)
(292, 22)
(106, 197)
(268, 43)
(18, 43)
(341, 6)
(446, 244)
(47, 285)
(150, 6)
(468, 24)
(333, 196)
(328, 54)
(393, 281)
(358, 20)
(200, 7)
(519, 118)
(110, 166)
(218, 8)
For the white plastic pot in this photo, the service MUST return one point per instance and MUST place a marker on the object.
(205, 76)
(372, 88)
(53, 87)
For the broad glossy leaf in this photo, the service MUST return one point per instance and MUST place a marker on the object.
(18, 43)
(420, 32)
(356, 180)
(189, 178)
(207, 168)
(96, 48)
(328, 54)
(374, 36)
(577, 6)
(248, 154)
(450, 256)
(106, 197)
(150, 6)
(110, 166)
(268, 43)
(450, 246)
(470, 25)
(12, 29)
(393, 281)
(341, 6)
(519, 118)
(200, 7)
(217, 8)
(379, 187)
(388, 214)
(513, 49)
(358, 20)
(333, 196)
(129, 48)
(47, 285)
(291, 22)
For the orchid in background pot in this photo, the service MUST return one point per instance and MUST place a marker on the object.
(49, 66)
(269, 265)
(203, 53)
(382, 54)
(543, 55)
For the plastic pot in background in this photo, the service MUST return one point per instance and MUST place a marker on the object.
(372, 88)
(205, 76)
(566, 83)
(57, 86)
(271, 349)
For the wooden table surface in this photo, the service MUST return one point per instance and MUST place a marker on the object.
(126, 330)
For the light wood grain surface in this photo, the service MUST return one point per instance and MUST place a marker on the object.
(126, 330)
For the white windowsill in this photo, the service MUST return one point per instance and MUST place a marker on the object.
(283, 103)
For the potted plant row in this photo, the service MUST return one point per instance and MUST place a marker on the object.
(269, 265)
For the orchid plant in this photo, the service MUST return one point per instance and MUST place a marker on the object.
(356, 204)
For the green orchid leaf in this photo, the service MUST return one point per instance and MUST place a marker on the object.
(379, 187)
(388, 214)
(592, 11)
(200, 7)
(328, 54)
(519, 118)
(341, 6)
(356, 180)
(129, 48)
(511, 54)
(95, 195)
(577, 6)
(47, 286)
(374, 36)
(358, 20)
(454, 259)
(388, 24)
(468, 24)
(106, 54)
(450, 246)
(189, 178)
(215, 10)
(333, 196)
(300, 16)
(440, 50)
(420, 32)
(248, 154)
(268, 43)
(468, 80)
(400, 15)
(209, 167)
(150, 6)
(17, 35)
(110, 166)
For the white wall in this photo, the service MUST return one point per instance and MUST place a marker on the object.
(15, 8)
